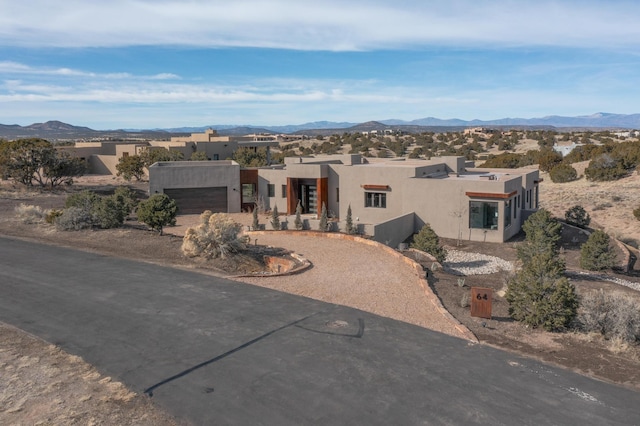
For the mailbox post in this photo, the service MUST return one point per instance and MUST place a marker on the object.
(481, 302)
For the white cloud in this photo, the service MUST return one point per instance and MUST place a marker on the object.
(327, 25)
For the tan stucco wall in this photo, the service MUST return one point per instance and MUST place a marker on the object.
(197, 174)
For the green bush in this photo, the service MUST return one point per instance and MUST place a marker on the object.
(577, 216)
(543, 232)
(298, 223)
(540, 296)
(605, 168)
(349, 227)
(612, 314)
(563, 173)
(596, 253)
(324, 219)
(130, 166)
(157, 212)
(427, 241)
(636, 213)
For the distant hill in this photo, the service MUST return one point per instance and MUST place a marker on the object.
(59, 131)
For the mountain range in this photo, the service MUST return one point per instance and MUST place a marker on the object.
(56, 130)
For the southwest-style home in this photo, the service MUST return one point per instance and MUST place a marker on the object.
(390, 199)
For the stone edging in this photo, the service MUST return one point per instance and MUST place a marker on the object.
(463, 331)
(305, 264)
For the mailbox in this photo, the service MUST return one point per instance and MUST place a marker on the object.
(481, 302)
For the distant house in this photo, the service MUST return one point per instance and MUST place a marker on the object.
(565, 148)
(390, 199)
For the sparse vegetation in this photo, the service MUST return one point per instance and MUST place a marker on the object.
(611, 314)
(324, 219)
(30, 214)
(217, 235)
(298, 220)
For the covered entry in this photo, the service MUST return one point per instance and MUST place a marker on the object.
(197, 200)
(310, 192)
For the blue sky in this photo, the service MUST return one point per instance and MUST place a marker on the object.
(166, 63)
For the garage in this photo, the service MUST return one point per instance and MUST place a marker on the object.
(197, 200)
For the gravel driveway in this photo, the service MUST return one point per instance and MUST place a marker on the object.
(356, 275)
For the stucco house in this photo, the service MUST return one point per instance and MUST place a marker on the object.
(390, 199)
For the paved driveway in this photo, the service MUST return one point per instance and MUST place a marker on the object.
(218, 352)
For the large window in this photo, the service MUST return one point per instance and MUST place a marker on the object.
(271, 190)
(248, 193)
(375, 199)
(483, 215)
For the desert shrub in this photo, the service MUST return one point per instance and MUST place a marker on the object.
(427, 241)
(636, 213)
(605, 168)
(85, 200)
(540, 296)
(612, 314)
(157, 212)
(465, 300)
(29, 213)
(217, 235)
(107, 213)
(74, 219)
(52, 215)
(275, 219)
(130, 166)
(577, 216)
(126, 199)
(596, 253)
(562, 173)
(548, 159)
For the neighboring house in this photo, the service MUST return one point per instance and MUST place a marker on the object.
(390, 199)
(565, 148)
(102, 157)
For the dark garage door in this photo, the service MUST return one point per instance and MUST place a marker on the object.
(197, 200)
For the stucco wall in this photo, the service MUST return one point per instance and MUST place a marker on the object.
(394, 231)
(197, 174)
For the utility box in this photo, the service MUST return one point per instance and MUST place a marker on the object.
(481, 302)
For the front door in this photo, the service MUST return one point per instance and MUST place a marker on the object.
(308, 198)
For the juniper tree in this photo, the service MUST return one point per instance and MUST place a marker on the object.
(275, 219)
(427, 241)
(298, 221)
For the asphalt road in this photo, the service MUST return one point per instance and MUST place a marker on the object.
(213, 351)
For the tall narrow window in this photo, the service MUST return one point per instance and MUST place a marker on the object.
(284, 191)
(271, 190)
(507, 213)
(248, 193)
(337, 195)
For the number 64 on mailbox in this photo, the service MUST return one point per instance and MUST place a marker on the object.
(481, 302)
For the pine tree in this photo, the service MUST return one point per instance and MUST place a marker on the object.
(349, 228)
(323, 219)
(596, 253)
(298, 221)
(275, 219)
(427, 241)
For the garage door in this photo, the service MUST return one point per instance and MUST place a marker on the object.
(197, 200)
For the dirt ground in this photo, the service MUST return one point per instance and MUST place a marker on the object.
(39, 384)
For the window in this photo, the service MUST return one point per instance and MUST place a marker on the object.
(483, 215)
(507, 213)
(375, 199)
(337, 195)
(516, 204)
(284, 191)
(248, 193)
(271, 190)
(216, 157)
